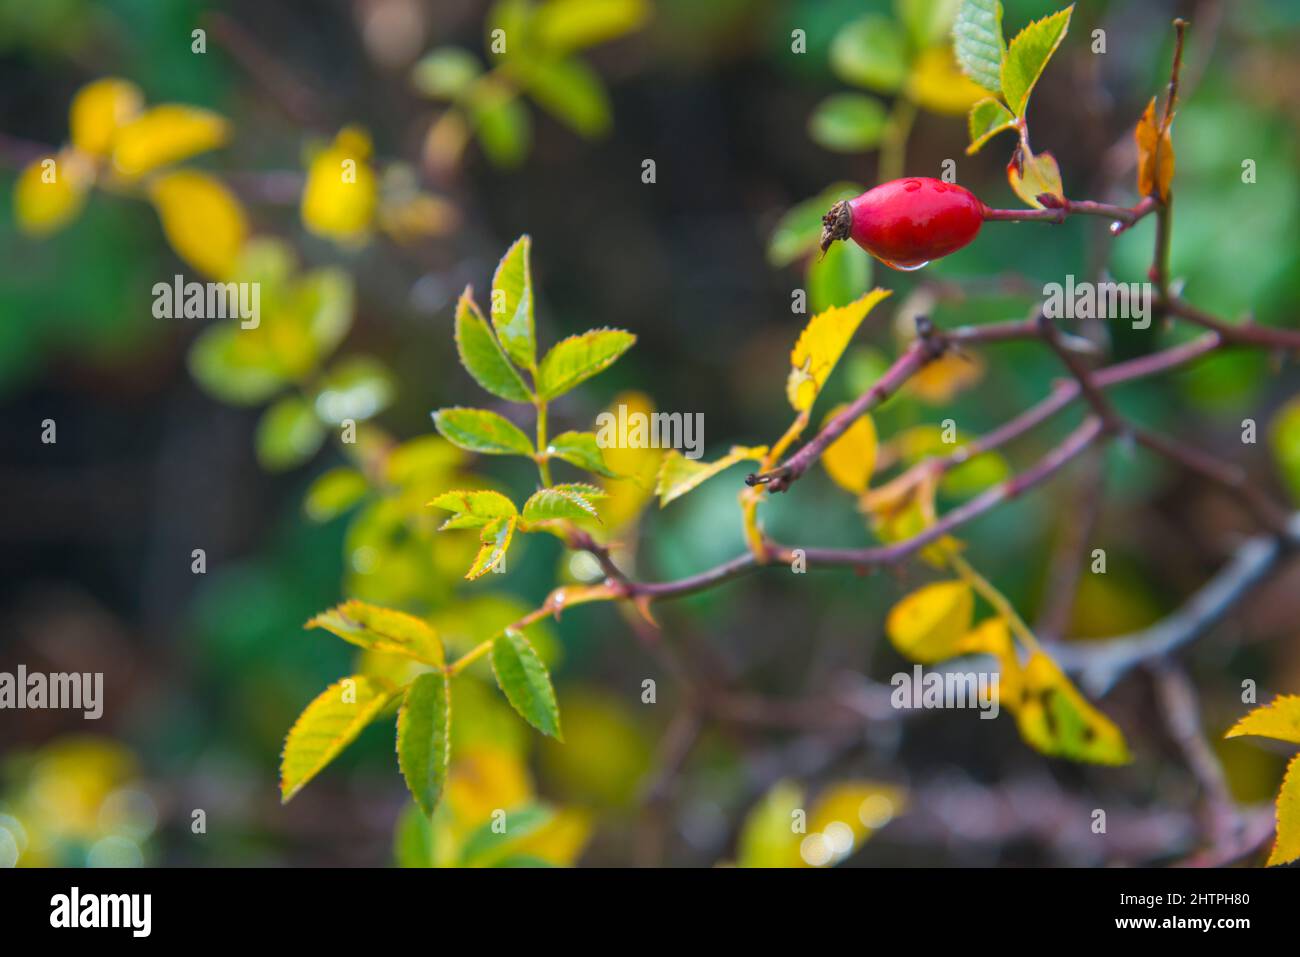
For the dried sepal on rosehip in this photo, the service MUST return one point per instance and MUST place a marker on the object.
(907, 223)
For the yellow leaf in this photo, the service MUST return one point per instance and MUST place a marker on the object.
(1056, 720)
(1286, 847)
(164, 135)
(820, 346)
(679, 475)
(851, 459)
(1031, 175)
(484, 778)
(202, 220)
(898, 517)
(768, 837)
(845, 816)
(992, 636)
(1155, 154)
(50, 193)
(928, 624)
(495, 541)
(99, 110)
(560, 840)
(327, 726)
(938, 381)
(636, 468)
(1279, 719)
(340, 197)
(937, 83)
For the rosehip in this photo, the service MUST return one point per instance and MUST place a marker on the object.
(906, 223)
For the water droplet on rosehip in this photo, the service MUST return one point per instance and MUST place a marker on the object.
(909, 268)
(912, 185)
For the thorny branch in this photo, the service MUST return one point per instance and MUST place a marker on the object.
(1099, 664)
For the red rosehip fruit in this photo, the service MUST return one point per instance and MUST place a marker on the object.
(906, 223)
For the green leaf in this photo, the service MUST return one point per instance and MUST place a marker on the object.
(495, 540)
(526, 684)
(382, 629)
(288, 434)
(848, 122)
(473, 509)
(582, 450)
(333, 493)
(978, 44)
(1028, 54)
(413, 839)
(324, 298)
(578, 358)
(987, 119)
(478, 430)
(565, 25)
(839, 277)
(489, 846)
(1284, 439)
(327, 726)
(424, 738)
(357, 388)
(481, 354)
(798, 231)
(229, 365)
(679, 475)
(512, 304)
(561, 502)
(503, 125)
(871, 52)
(572, 92)
(927, 21)
(445, 73)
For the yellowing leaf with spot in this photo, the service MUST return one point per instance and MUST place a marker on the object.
(51, 192)
(1280, 719)
(164, 135)
(98, 110)
(1056, 720)
(679, 475)
(820, 346)
(938, 84)
(1155, 154)
(202, 220)
(327, 726)
(341, 194)
(851, 459)
(1030, 176)
(495, 540)
(927, 625)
